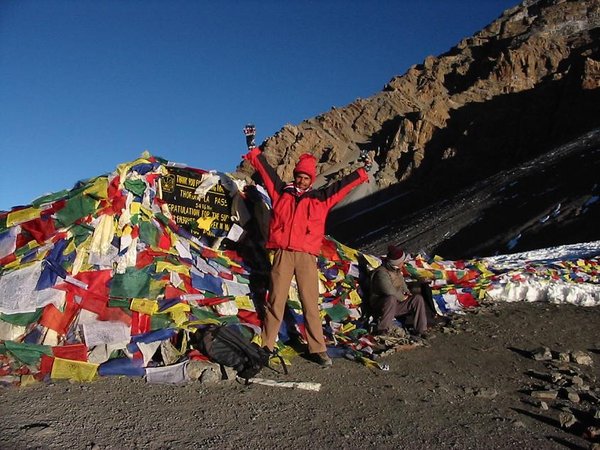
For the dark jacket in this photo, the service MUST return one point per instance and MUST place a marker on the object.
(298, 219)
(387, 281)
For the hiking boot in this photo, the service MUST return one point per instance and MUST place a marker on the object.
(322, 359)
(420, 336)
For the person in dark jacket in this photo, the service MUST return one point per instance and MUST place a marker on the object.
(296, 232)
(390, 297)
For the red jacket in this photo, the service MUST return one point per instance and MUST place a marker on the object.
(298, 220)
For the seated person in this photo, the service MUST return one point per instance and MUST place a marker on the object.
(390, 296)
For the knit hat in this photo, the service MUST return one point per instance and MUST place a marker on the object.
(395, 255)
(308, 165)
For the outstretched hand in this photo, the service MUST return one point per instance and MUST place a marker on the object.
(366, 160)
(250, 132)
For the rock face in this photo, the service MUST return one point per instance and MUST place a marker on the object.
(523, 85)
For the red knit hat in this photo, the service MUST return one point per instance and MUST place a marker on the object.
(307, 164)
(395, 255)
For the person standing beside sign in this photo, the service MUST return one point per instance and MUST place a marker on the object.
(296, 231)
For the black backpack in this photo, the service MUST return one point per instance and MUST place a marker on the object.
(225, 345)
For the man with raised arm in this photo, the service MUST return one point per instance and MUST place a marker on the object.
(296, 232)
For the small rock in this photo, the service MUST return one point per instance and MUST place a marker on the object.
(597, 413)
(567, 419)
(518, 424)
(573, 397)
(544, 395)
(210, 376)
(488, 393)
(556, 377)
(564, 357)
(230, 373)
(544, 406)
(577, 380)
(582, 358)
(541, 354)
(195, 369)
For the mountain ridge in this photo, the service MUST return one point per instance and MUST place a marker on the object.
(525, 84)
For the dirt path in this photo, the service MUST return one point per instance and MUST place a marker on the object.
(469, 389)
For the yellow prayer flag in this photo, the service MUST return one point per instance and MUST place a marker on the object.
(99, 188)
(179, 317)
(355, 298)
(348, 251)
(162, 266)
(28, 380)
(204, 223)
(424, 273)
(135, 208)
(147, 212)
(244, 302)
(22, 215)
(373, 262)
(71, 247)
(347, 328)
(122, 169)
(13, 265)
(144, 306)
(178, 307)
(66, 369)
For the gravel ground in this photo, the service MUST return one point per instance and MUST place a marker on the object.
(469, 387)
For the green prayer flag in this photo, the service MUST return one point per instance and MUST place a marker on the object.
(22, 319)
(160, 321)
(49, 198)
(148, 233)
(29, 354)
(164, 219)
(157, 287)
(294, 304)
(201, 314)
(337, 313)
(131, 284)
(119, 303)
(77, 207)
(25, 249)
(242, 279)
(228, 320)
(81, 232)
(138, 187)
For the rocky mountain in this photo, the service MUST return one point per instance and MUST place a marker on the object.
(521, 88)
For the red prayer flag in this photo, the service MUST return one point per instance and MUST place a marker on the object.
(164, 241)
(57, 320)
(75, 352)
(140, 323)
(46, 364)
(467, 300)
(41, 229)
(329, 250)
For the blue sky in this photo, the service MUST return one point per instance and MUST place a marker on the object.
(86, 85)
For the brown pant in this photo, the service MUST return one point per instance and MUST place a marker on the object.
(390, 307)
(304, 266)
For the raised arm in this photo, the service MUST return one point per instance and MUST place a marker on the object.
(273, 184)
(335, 192)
